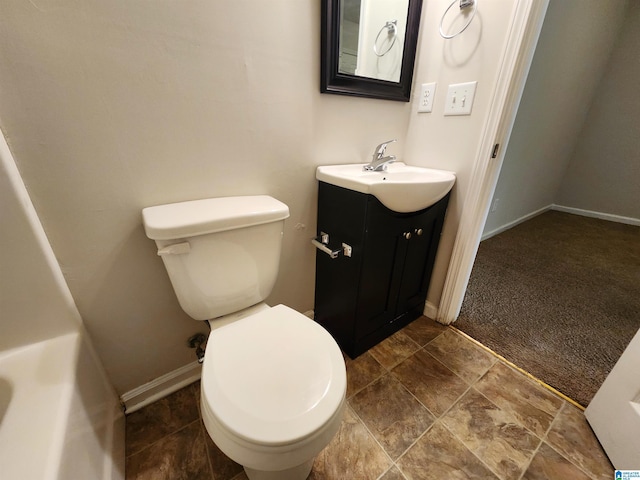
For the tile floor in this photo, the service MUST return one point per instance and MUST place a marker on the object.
(427, 403)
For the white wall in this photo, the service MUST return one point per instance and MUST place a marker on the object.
(34, 304)
(111, 106)
(575, 43)
(604, 172)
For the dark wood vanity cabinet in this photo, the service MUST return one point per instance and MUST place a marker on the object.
(382, 287)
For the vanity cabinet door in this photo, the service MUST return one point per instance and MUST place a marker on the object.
(425, 229)
(384, 252)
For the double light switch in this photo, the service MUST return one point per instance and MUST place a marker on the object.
(459, 98)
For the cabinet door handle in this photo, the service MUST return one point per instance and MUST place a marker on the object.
(418, 231)
(407, 235)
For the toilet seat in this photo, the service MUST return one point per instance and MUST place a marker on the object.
(273, 378)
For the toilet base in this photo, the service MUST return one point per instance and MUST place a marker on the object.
(301, 472)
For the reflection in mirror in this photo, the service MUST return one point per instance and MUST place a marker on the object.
(369, 46)
(349, 27)
(372, 38)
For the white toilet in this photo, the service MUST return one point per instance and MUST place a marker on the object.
(273, 380)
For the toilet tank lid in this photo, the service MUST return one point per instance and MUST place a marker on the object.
(210, 215)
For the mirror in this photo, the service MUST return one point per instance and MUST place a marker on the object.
(369, 47)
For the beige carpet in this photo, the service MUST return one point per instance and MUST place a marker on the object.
(559, 296)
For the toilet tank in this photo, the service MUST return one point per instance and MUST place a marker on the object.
(222, 254)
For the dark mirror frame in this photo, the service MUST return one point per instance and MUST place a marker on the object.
(344, 84)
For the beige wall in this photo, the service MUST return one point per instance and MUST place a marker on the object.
(111, 106)
(604, 171)
(576, 41)
(451, 143)
(35, 304)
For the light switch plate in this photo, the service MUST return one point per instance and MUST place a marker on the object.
(460, 98)
(427, 92)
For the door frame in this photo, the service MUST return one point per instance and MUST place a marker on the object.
(522, 39)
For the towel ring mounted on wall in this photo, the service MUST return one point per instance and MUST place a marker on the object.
(392, 30)
(463, 4)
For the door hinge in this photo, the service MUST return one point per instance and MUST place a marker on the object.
(494, 154)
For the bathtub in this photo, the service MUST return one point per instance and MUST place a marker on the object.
(59, 418)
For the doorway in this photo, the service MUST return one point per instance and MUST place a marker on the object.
(566, 125)
(557, 296)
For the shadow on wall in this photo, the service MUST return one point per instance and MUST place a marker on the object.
(6, 390)
(140, 298)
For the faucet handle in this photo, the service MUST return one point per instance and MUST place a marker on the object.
(379, 150)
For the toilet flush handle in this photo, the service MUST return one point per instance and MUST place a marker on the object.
(175, 249)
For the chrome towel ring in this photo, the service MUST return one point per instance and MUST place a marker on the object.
(463, 4)
(392, 31)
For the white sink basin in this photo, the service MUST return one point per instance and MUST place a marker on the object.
(402, 188)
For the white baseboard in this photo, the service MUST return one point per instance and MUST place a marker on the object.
(602, 216)
(430, 310)
(160, 387)
(515, 222)
(560, 208)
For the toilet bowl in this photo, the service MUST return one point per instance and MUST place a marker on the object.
(273, 392)
(273, 381)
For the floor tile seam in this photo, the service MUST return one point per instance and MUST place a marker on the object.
(435, 416)
(161, 438)
(438, 335)
(388, 370)
(367, 385)
(533, 455)
(399, 362)
(453, 404)
(405, 451)
(515, 418)
(464, 393)
(389, 469)
(402, 330)
(540, 439)
(363, 423)
(203, 431)
(377, 361)
(415, 398)
(422, 346)
(471, 451)
(553, 421)
(555, 447)
(449, 368)
(592, 476)
(564, 455)
(466, 381)
(519, 369)
(199, 416)
(521, 401)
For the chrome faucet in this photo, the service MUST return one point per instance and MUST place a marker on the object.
(379, 162)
